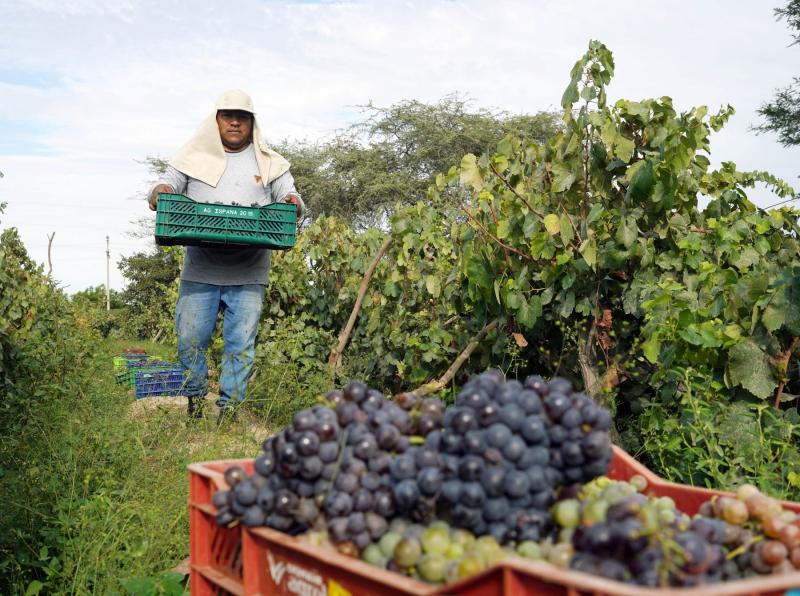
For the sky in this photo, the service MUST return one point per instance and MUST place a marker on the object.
(90, 88)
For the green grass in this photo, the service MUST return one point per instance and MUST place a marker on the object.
(123, 510)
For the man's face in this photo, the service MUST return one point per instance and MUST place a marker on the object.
(235, 128)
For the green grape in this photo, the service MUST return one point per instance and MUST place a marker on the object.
(487, 540)
(470, 564)
(594, 512)
(407, 551)
(436, 540)
(431, 567)
(638, 482)
(454, 551)
(567, 513)
(665, 503)
(613, 494)
(666, 516)
(566, 534)
(649, 517)
(486, 548)
(530, 550)
(388, 543)
(463, 537)
(495, 556)
(374, 556)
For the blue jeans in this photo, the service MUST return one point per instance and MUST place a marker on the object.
(195, 319)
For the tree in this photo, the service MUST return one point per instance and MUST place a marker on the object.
(95, 297)
(782, 114)
(393, 154)
(152, 290)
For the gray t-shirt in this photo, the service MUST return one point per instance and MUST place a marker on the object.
(241, 184)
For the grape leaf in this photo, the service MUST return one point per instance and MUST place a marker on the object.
(641, 184)
(563, 177)
(470, 174)
(433, 285)
(748, 366)
(552, 224)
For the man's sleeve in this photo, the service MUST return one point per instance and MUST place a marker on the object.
(177, 180)
(283, 186)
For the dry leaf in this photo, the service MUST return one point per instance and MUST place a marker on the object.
(611, 379)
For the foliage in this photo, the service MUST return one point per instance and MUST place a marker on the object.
(95, 297)
(107, 486)
(393, 154)
(727, 441)
(151, 291)
(782, 114)
(89, 306)
(41, 350)
(594, 241)
(166, 584)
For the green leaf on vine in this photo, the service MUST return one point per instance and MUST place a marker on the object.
(470, 173)
(565, 227)
(642, 182)
(478, 273)
(627, 232)
(567, 305)
(594, 213)
(529, 312)
(588, 250)
(624, 147)
(503, 228)
(793, 305)
(433, 285)
(563, 177)
(651, 349)
(552, 224)
(774, 315)
(748, 366)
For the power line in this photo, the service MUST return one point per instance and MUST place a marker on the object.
(795, 198)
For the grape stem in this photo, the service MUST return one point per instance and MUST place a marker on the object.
(744, 547)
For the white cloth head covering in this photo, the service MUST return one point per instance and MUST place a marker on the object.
(203, 157)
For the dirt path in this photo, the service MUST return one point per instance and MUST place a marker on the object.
(177, 406)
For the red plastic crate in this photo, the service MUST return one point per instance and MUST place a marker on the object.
(267, 562)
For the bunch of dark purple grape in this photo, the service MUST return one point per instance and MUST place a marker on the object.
(643, 541)
(492, 463)
(336, 459)
(509, 446)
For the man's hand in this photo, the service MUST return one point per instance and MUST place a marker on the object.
(296, 202)
(153, 200)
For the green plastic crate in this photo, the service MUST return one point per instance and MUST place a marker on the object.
(180, 220)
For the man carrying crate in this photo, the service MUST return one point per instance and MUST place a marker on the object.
(226, 161)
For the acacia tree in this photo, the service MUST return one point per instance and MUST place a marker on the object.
(393, 154)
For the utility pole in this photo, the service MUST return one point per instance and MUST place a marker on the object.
(49, 246)
(108, 274)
